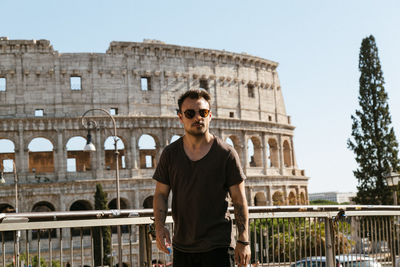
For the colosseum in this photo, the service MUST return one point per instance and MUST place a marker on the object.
(43, 94)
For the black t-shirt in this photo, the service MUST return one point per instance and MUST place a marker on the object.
(200, 194)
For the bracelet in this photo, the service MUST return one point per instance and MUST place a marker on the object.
(246, 243)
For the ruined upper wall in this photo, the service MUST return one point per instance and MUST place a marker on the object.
(37, 77)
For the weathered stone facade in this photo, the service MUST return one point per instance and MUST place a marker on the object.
(140, 82)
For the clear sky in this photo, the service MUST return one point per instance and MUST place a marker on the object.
(315, 42)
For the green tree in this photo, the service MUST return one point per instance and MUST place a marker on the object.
(100, 203)
(374, 142)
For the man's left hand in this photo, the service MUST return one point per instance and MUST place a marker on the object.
(242, 254)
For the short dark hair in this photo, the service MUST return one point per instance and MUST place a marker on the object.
(194, 94)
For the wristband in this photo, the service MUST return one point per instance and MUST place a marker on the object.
(246, 243)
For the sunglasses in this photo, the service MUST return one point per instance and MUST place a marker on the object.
(190, 113)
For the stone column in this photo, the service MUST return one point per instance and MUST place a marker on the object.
(264, 153)
(280, 154)
(134, 152)
(269, 195)
(245, 152)
(61, 157)
(98, 156)
(22, 155)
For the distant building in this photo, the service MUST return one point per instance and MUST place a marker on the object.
(332, 196)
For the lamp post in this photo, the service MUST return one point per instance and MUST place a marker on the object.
(393, 179)
(17, 233)
(90, 124)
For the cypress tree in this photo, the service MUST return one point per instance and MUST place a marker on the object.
(373, 139)
(100, 203)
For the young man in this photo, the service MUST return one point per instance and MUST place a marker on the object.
(201, 170)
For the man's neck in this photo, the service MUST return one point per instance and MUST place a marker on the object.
(193, 142)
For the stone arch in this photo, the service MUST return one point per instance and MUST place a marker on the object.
(77, 159)
(260, 199)
(41, 155)
(7, 155)
(254, 152)
(7, 208)
(112, 205)
(80, 205)
(148, 202)
(273, 153)
(147, 145)
(302, 199)
(277, 199)
(287, 159)
(43, 206)
(236, 145)
(292, 199)
(109, 153)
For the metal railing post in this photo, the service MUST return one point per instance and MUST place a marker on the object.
(329, 242)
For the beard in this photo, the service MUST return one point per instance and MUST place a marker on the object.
(197, 131)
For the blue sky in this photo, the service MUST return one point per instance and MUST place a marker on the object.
(315, 42)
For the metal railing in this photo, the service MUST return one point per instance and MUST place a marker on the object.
(280, 236)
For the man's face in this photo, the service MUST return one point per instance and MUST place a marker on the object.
(197, 125)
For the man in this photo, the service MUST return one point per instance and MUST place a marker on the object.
(201, 170)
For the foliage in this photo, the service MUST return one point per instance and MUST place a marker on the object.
(34, 261)
(374, 142)
(100, 203)
(294, 238)
(323, 202)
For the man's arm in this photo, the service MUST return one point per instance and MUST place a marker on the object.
(160, 209)
(242, 252)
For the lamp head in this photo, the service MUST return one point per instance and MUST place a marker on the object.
(89, 145)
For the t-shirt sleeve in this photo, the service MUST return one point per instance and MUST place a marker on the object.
(234, 171)
(161, 174)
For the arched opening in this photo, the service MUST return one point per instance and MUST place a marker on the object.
(273, 153)
(7, 155)
(147, 151)
(302, 199)
(109, 151)
(254, 152)
(277, 199)
(41, 156)
(174, 138)
(80, 205)
(260, 199)
(6, 235)
(234, 141)
(148, 202)
(112, 205)
(43, 206)
(229, 142)
(292, 199)
(286, 154)
(77, 159)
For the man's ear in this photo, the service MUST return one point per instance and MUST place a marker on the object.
(180, 116)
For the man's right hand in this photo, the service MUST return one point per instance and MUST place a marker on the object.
(163, 238)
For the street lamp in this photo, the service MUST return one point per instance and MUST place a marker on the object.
(3, 181)
(393, 179)
(90, 124)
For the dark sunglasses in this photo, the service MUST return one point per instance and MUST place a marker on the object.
(190, 113)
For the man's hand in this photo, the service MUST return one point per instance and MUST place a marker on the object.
(242, 254)
(163, 238)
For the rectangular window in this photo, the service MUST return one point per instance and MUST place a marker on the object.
(3, 84)
(204, 84)
(113, 111)
(39, 113)
(149, 161)
(8, 165)
(231, 114)
(145, 83)
(250, 90)
(76, 83)
(123, 164)
(71, 165)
